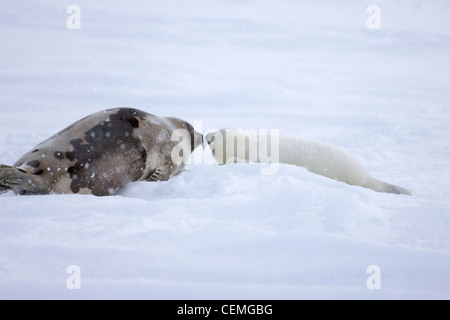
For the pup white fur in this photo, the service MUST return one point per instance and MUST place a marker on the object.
(239, 146)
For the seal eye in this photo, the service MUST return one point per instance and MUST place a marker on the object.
(211, 140)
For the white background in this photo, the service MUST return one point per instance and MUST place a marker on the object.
(308, 68)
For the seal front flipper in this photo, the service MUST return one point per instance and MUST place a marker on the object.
(162, 173)
(20, 181)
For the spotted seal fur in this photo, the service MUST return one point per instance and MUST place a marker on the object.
(101, 153)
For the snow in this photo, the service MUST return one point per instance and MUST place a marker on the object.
(308, 69)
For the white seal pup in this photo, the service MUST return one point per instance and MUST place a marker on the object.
(239, 146)
(101, 153)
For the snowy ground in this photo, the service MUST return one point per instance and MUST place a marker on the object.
(309, 68)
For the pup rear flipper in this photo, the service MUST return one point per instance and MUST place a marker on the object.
(382, 186)
(19, 181)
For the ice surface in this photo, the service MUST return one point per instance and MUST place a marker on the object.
(311, 69)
